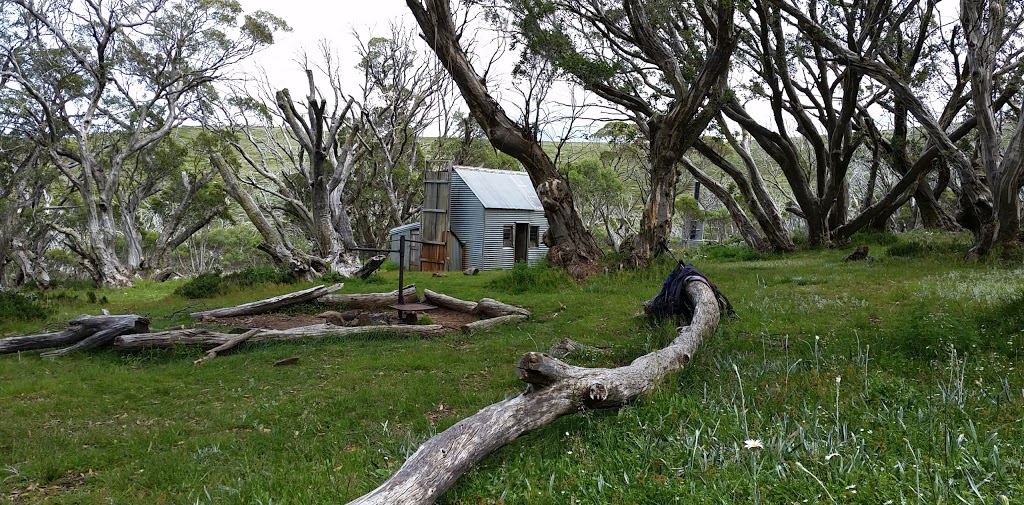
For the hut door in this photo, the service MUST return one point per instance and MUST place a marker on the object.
(522, 238)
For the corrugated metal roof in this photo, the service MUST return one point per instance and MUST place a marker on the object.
(501, 189)
(404, 228)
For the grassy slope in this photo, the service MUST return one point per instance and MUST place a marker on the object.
(908, 421)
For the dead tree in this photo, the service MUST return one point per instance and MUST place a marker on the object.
(554, 389)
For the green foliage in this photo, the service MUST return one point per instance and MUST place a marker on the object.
(332, 277)
(424, 320)
(731, 252)
(923, 244)
(211, 284)
(15, 306)
(205, 285)
(253, 276)
(523, 278)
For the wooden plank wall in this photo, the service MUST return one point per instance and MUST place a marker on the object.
(434, 231)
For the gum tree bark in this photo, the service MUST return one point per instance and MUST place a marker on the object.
(555, 389)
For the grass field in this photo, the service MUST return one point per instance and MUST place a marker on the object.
(892, 381)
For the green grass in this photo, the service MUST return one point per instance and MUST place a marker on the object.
(928, 407)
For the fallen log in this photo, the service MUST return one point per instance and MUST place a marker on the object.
(490, 307)
(226, 346)
(554, 389)
(78, 330)
(104, 332)
(483, 324)
(206, 339)
(269, 304)
(370, 266)
(370, 300)
(448, 302)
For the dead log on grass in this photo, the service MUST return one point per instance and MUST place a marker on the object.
(490, 307)
(448, 302)
(85, 332)
(487, 307)
(370, 267)
(269, 304)
(370, 300)
(226, 346)
(555, 389)
(484, 324)
(206, 339)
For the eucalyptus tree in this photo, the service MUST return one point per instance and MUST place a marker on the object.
(287, 163)
(338, 168)
(570, 243)
(24, 236)
(995, 43)
(107, 80)
(400, 98)
(662, 65)
(977, 202)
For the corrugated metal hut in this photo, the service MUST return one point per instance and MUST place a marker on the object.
(497, 216)
(475, 217)
(412, 253)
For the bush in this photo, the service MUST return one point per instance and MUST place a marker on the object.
(17, 307)
(523, 278)
(254, 276)
(205, 285)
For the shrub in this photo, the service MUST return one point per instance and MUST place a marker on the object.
(18, 307)
(253, 276)
(332, 277)
(205, 285)
(523, 278)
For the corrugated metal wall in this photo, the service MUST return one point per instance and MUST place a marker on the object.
(494, 254)
(466, 219)
(412, 252)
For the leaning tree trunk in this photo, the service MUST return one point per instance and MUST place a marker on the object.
(570, 243)
(555, 389)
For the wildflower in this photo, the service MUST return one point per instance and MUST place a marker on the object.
(753, 443)
(839, 379)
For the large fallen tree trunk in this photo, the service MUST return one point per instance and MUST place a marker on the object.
(206, 339)
(448, 302)
(490, 307)
(487, 307)
(269, 304)
(85, 332)
(555, 389)
(371, 300)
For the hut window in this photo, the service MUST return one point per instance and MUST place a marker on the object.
(506, 236)
(535, 236)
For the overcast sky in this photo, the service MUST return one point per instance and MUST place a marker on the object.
(315, 20)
